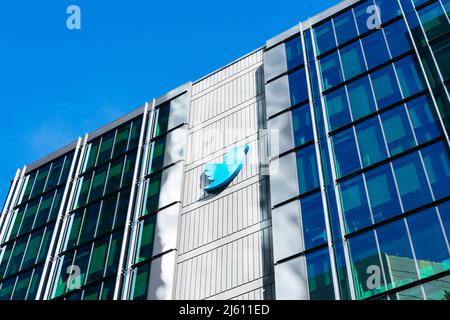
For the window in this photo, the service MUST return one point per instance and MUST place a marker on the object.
(324, 35)
(345, 27)
(106, 148)
(55, 173)
(395, 250)
(139, 282)
(370, 140)
(302, 125)
(82, 261)
(364, 257)
(89, 222)
(354, 204)
(120, 146)
(122, 208)
(135, 134)
(397, 130)
(352, 60)
(29, 216)
(422, 119)
(308, 178)
(83, 191)
(32, 249)
(411, 181)
(362, 16)
(64, 265)
(98, 184)
(331, 71)
(437, 289)
(437, 167)
(91, 156)
(44, 209)
(345, 153)
(17, 256)
(313, 221)
(75, 226)
(162, 119)
(444, 210)
(41, 179)
(114, 253)
(146, 237)
(441, 52)
(298, 87)
(156, 159)
(29, 186)
(375, 49)
(152, 194)
(361, 98)
(337, 108)
(106, 218)
(428, 243)
(114, 176)
(382, 193)
(434, 20)
(128, 170)
(385, 87)
(389, 9)
(410, 80)
(43, 251)
(294, 53)
(398, 38)
(98, 260)
(320, 280)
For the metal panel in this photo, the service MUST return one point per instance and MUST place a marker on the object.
(275, 62)
(162, 273)
(277, 96)
(175, 145)
(283, 181)
(282, 125)
(165, 238)
(170, 185)
(291, 280)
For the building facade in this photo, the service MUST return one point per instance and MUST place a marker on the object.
(345, 192)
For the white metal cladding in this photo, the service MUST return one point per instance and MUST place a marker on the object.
(265, 293)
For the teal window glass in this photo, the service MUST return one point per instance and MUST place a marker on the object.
(382, 193)
(20, 290)
(6, 251)
(294, 53)
(128, 170)
(345, 153)
(122, 208)
(438, 289)
(114, 253)
(7, 288)
(302, 125)
(135, 134)
(162, 119)
(324, 35)
(437, 167)
(92, 293)
(89, 222)
(41, 179)
(361, 98)
(45, 245)
(55, 173)
(34, 283)
(398, 38)
(157, 156)
(82, 260)
(29, 216)
(370, 140)
(411, 181)
(64, 264)
(352, 60)
(106, 219)
(17, 222)
(441, 52)
(313, 221)
(345, 27)
(331, 71)
(362, 16)
(139, 282)
(307, 172)
(29, 186)
(146, 238)
(396, 253)
(105, 151)
(17, 256)
(98, 260)
(354, 204)
(428, 242)
(298, 87)
(75, 227)
(375, 49)
(337, 108)
(56, 204)
(434, 20)
(108, 290)
(320, 280)
(98, 184)
(91, 157)
(83, 192)
(32, 249)
(410, 80)
(364, 256)
(120, 146)
(388, 9)
(114, 176)
(44, 209)
(152, 190)
(385, 87)
(398, 132)
(422, 119)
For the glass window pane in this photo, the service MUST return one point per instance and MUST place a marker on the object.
(104, 153)
(422, 119)
(411, 182)
(294, 53)
(55, 172)
(92, 155)
(114, 253)
(375, 49)
(438, 289)
(82, 261)
(120, 146)
(362, 16)
(298, 87)
(354, 204)
(370, 141)
(135, 134)
(98, 260)
(410, 80)
(156, 159)
(106, 219)
(441, 52)
(331, 71)
(32, 249)
(385, 87)
(345, 27)
(56, 204)
(139, 282)
(302, 125)
(128, 170)
(428, 241)
(44, 209)
(345, 153)
(307, 171)
(43, 251)
(29, 186)
(7, 289)
(313, 221)
(152, 194)
(17, 222)
(17, 256)
(34, 283)
(320, 280)
(29, 216)
(382, 193)
(74, 229)
(92, 293)
(65, 264)
(397, 131)
(398, 261)
(108, 290)
(324, 35)
(437, 167)
(114, 176)
(361, 98)
(434, 20)
(98, 184)
(122, 208)
(83, 185)
(337, 108)
(162, 120)
(352, 60)
(398, 38)
(444, 211)
(146, 237)
(89, 222)
(41, 179)
(389, 9)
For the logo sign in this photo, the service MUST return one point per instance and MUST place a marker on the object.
(221, 174)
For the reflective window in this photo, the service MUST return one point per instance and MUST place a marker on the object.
(441, 52)
(331, 71)
(324, 35)
(320, 280)
(98, 184)
(362, 16)
(298, 87)
(294, 53)
(444, 210)
(385, 87)
(106, 148)
(152, 194)
(354, 204)
(410, 80)
(422, 119)
(140, 278)
(345, 27)
(313, 221)
(361, 98)
(398, 132)
(370, 141)
(146, 238)
(434, 20)
(120, 146)
(437, 167)
(388, 9)
(428, 241)
(375, 49)
(308, 174)
(352, 60)
(438, 289)
(302, 125)
(337, 108)
(156, 159)
(382, 193)
(98, 260)
(398, 38)
(411, 181)
(345, 153)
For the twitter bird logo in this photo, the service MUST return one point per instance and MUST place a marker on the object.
(221, 174)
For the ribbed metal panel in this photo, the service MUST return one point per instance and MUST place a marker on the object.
(266, 293)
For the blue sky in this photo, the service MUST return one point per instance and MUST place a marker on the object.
(57, 84)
